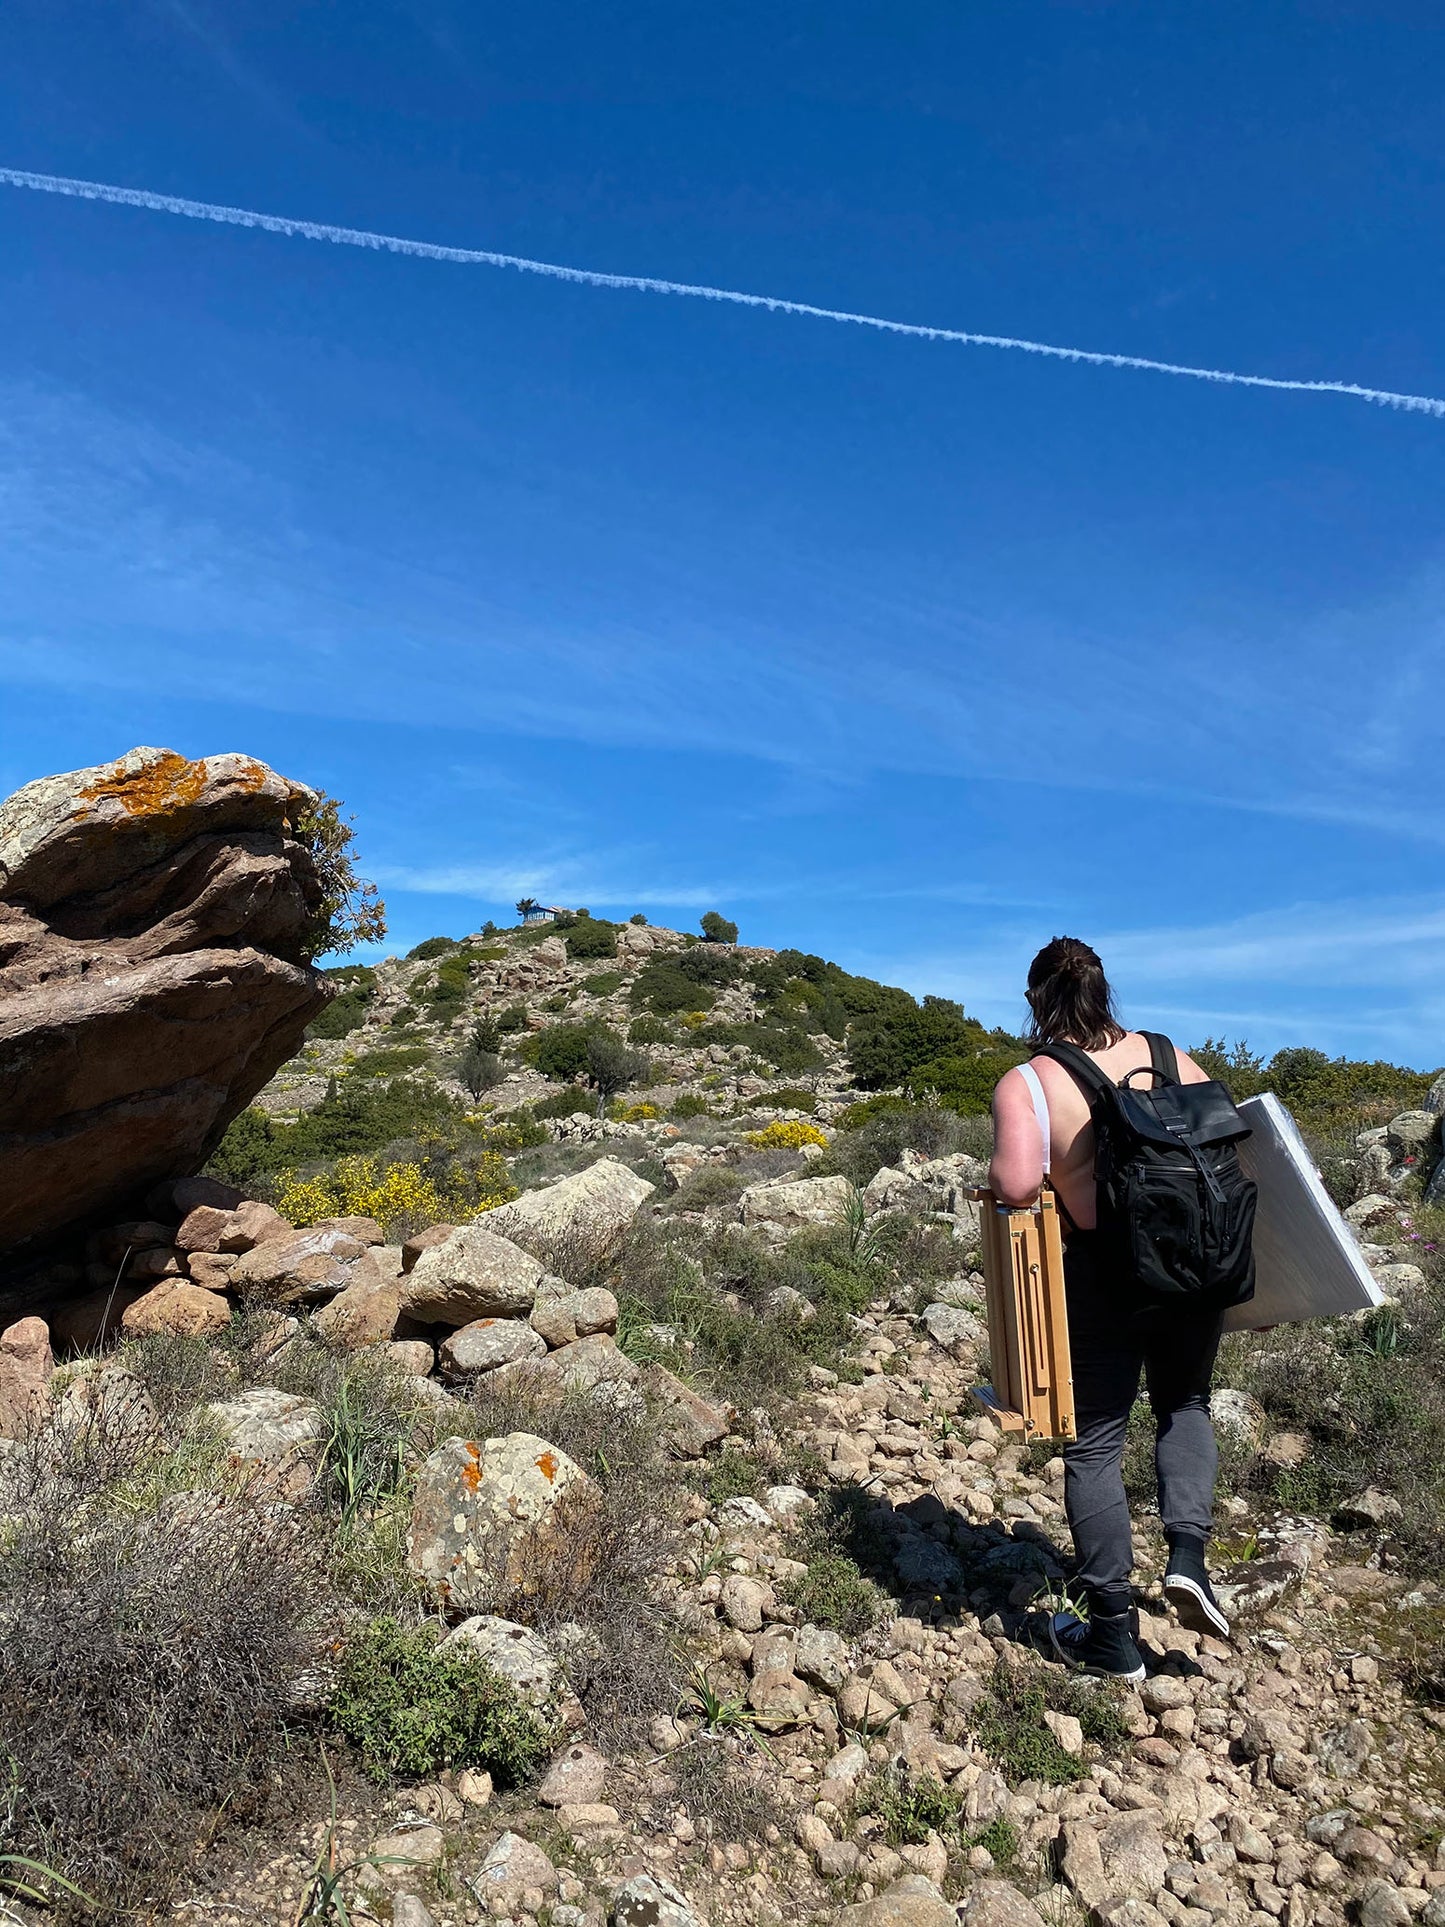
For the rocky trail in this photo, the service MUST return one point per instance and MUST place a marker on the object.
(592, 1479)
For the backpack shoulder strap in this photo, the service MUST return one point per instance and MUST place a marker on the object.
(1082, 1065)
(1161, 1055)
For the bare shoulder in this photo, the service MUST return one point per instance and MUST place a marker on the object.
(1189, 1071)
(1011, 1091)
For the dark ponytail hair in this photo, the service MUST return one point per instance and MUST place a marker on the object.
(1070, 999)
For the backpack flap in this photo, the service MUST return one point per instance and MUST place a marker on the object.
(1191, 1114)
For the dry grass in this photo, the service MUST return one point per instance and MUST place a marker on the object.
(153, 1637)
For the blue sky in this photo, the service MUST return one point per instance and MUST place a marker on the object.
(911, 654)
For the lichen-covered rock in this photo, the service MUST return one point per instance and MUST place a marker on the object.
(604, 1198)
(475, 1273)
(519, 1654)
(512, 1867)
(563, 1314)
(298, 1266)
(154, 914)
(271, 1433)
(778, 1210)
(364, 1313)
(481, 1507)
(644, 1901)
(487, 1343)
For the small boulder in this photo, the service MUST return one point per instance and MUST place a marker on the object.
(271, 1433)
(644, 1901)
(413, 1356)
(176, 1305)
(26, 1368)
(201, 1229)
(952, 1327)
(512, 1866)
(563, 1314)
(997, 1903)
(487, 1343)
(693, 1424)
(474, 1273)
(479, 1504)
(778, 1210)
(1372, 1507)
(366, 1231)
(420, 1241)
(364, 1313)
(905, 1905)
(517, 1654)
(300, 1267)
(211, 1270)
(577, 1777)
(603, 1199)
(252, 1223)
(1239, 1415)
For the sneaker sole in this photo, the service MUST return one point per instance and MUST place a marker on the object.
(1135, 1677)
(1196, 1611)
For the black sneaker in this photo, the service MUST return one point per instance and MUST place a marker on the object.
(1104, 1647)
(1187, 1588)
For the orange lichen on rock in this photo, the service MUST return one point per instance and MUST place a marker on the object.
(165, 787)
(547, 1466)
(472, 1470)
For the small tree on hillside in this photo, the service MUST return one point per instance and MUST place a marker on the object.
(478, 1069)
(717, 929)
(525, 907)
(611, 1066)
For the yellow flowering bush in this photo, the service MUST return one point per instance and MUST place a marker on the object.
(693, 1019)
(787, 1134)
(402, 1195)
(633, 1113)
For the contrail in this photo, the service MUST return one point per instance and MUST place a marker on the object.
(646, 284)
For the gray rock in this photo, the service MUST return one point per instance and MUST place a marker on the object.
(271, 1432)
(518, 1653)
(487, 1343)
(900, 1906)
(822, 1658)
(1342, 1751)
(1409, 1134)
(1239, 1415)
(409, 1910)
(510, 1868)
(951, 1326)
(481, 1509)
(1256, 1587)
(644, 1901)
(1380, 1905)
(1372, 1507)
(778, 1210)
(475, 1273)
(562, 1314)
(1134, 1856)
(577, 1777)
(603, 1199)
(1435, 1097)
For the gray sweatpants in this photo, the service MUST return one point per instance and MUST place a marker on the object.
(1111, 1345)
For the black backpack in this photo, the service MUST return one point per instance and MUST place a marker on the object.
(1175, 1211)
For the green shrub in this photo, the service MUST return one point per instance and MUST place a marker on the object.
(448, 990)
(1325, 1094)
(1009, 1722)
(663, 989)
(785, 1098)
(638, 918)
(689, 1104)
(648, 1030)
(888, 1129)
(785, 1046)
(834, 1593)
(965, 1084)
(432, 947)
(563, 1103)
(412, 1707)
(734, 1475)
(589, 937)
(347, 1010)
(560, 1051)
(911, 1806)
(391, 1059)
(247, 1153)
(604, 983)
(717, 928)
(512, 1019)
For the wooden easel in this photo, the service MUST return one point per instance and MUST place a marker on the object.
(1028, 1328)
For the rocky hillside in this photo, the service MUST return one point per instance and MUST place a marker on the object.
(464, 1505)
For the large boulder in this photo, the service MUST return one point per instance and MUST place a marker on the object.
(26, 1367)
(778, 1210)
(154, 919)
(596, 1202)
(481, 1507)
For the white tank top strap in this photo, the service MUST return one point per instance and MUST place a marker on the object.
(1041, 1106)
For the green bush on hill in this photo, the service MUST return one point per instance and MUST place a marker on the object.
(717, 928)
(590, 937)
(1325, 1094)
(347, 1009)
(432, 947)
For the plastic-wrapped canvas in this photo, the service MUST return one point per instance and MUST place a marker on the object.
(1307, 1262)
